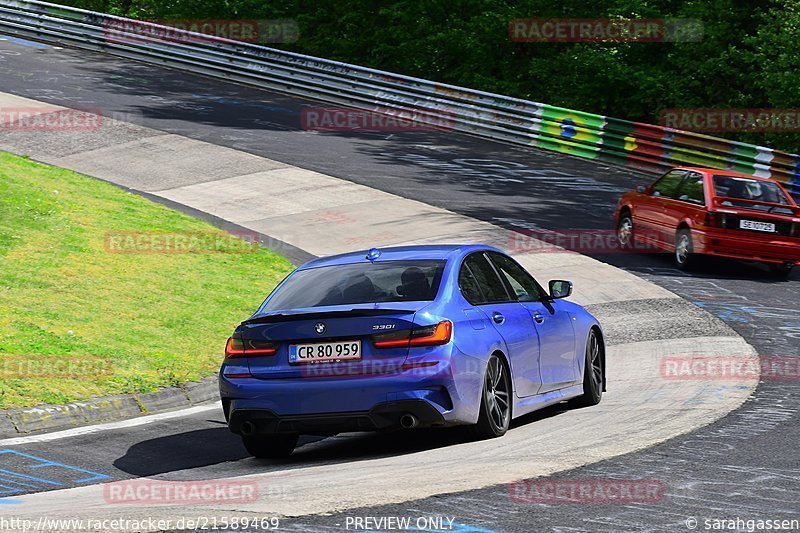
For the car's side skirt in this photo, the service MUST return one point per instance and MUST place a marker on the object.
(532, 403)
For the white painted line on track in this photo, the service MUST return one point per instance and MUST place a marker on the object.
(109, 426)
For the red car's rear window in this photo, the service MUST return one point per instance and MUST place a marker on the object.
(735, 187)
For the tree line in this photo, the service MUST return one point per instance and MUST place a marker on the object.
(746, 56)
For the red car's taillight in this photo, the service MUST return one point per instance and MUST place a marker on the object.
(435, 335)
(715, 220)
(250, 348)
(795, 230)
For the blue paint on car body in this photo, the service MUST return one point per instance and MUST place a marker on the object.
(387, 306)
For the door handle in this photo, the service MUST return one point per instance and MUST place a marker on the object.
(538, 318)
(498, 318)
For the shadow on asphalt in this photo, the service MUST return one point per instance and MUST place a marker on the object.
(705, 268)
(195, 449)
(362, 446)
(181, 451)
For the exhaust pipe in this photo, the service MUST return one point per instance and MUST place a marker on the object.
(408, 421)
(248, 429)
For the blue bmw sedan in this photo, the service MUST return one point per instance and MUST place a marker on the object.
(403, 338)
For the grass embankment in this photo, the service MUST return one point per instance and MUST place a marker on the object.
(80, 319)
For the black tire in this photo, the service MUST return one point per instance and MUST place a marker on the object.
(625, 236)
(781, 271)
(593, 373)
(685, 258)
(277, 446)
(495, 417)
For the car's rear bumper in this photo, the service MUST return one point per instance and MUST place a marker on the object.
(435, 396)
(382, 416)
(752, 248)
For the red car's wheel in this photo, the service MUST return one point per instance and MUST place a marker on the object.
(684, 250)
(625, 231)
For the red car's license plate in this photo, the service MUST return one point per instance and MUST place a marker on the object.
(766, 227)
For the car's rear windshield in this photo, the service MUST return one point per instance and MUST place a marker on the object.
(749, 189)
(359, 283)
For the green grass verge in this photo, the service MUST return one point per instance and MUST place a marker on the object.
(78, 321)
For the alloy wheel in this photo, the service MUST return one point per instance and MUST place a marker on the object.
(497, 393)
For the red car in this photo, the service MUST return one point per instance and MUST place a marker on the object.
(700, 211)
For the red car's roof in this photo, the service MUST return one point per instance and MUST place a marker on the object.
(719, 172)
(726, 173)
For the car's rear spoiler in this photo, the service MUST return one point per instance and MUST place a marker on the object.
(720, 200)
(322, 315)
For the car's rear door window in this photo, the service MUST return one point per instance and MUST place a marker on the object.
(667, 186)
(490, 283)
(469, 286)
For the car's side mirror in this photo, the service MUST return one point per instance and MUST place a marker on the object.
(560, 288)
(641, 189)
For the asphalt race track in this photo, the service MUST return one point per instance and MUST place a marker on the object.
(744, 465)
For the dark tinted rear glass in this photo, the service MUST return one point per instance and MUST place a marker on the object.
(748, 189)
(390, 281)
(490, 284)
(469, 286)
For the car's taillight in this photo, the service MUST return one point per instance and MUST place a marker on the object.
(795, 230)
(428, 336)
(248, 348)
(716, 220)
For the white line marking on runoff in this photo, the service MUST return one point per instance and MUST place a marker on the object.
(109, 426)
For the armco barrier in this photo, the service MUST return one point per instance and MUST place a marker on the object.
(643, 146)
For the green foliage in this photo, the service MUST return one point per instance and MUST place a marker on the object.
(136, 321)
(748, 56)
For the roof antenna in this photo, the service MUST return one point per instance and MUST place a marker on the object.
(373, 254)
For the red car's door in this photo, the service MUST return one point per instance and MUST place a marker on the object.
(689, 204)
(649, 217)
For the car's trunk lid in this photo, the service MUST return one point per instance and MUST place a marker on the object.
(758, 217)
(344, 324)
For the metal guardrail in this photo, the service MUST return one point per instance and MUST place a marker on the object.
(642, 146)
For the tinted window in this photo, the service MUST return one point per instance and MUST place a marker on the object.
(469, 286)
(492, 288)
(748, 189)
(359, 283)
(521, 283)
(668, 185)
(692, 189)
